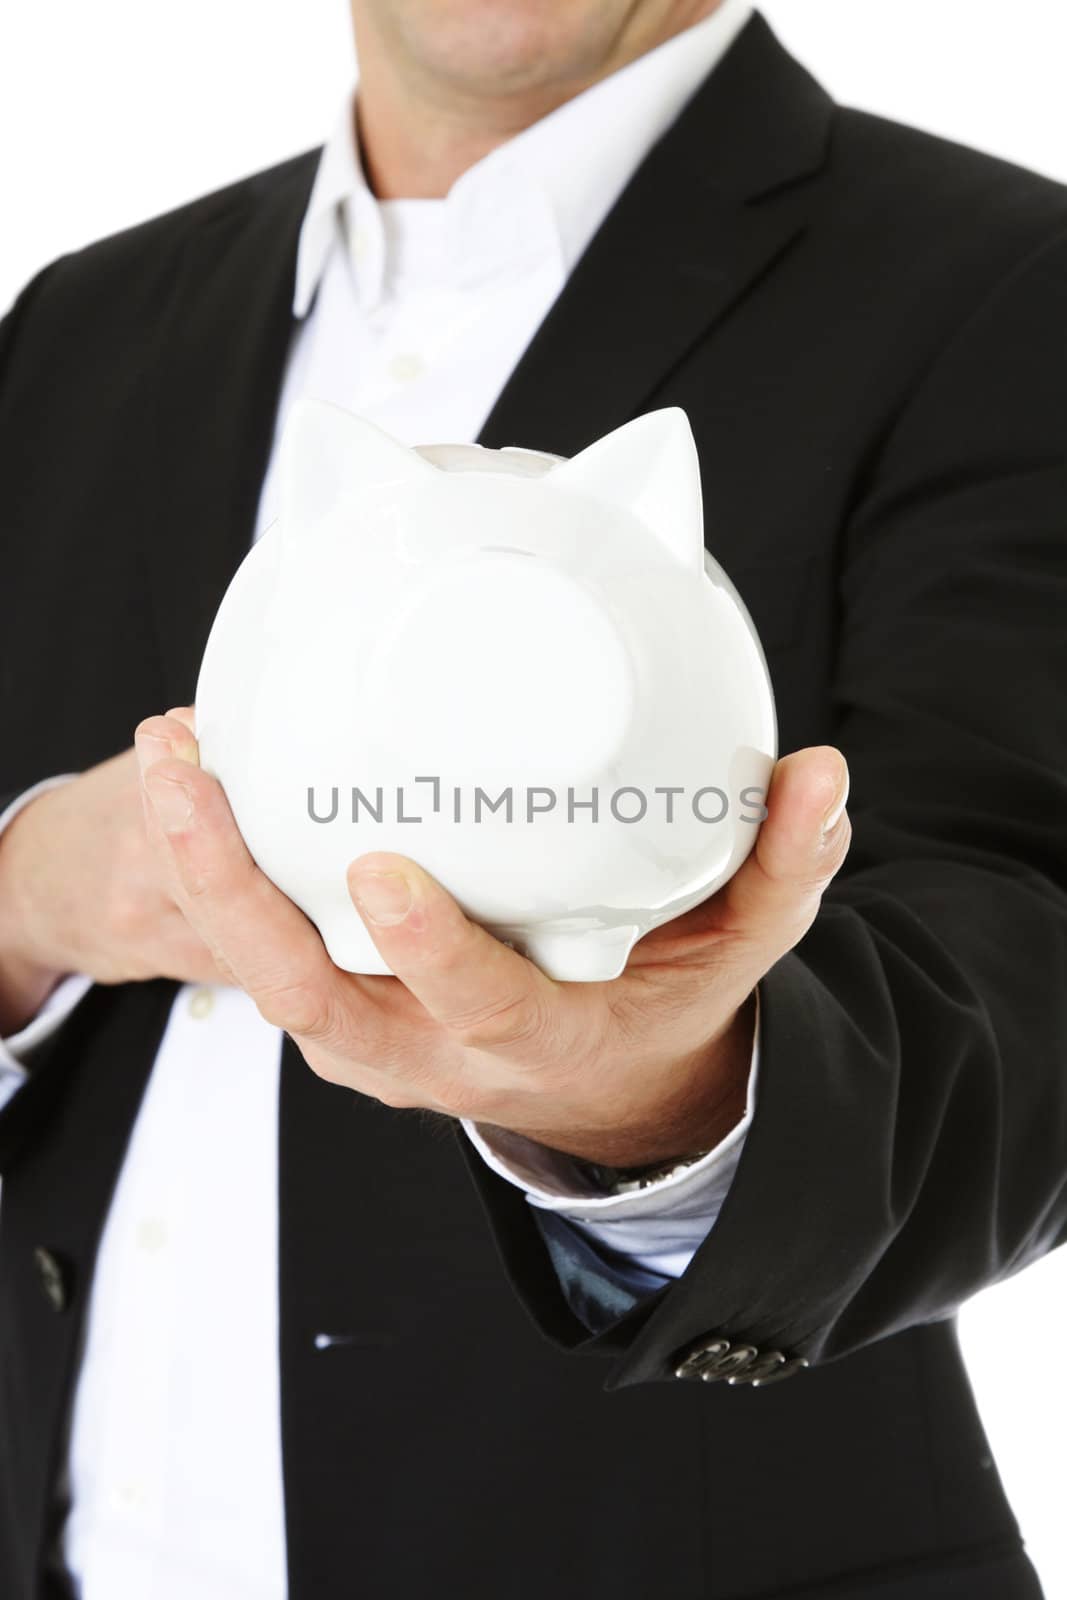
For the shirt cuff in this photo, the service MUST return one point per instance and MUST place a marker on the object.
(657, 1228)
(64, 997)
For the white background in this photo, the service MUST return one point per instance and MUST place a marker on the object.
(112, 110)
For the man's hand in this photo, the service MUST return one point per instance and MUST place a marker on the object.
(82, 890)
(649, 1066)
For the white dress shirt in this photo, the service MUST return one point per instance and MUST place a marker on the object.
(412, 313)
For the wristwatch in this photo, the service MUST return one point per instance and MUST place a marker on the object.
(629, 1180)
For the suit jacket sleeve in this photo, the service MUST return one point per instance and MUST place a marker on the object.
(23, 1113)
(910, 1145)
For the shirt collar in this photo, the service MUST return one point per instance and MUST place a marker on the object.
(530, 182)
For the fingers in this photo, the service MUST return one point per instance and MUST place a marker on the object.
(184, 955)
(486, 995)
(771, 901)
(186, 715)
(489, 997)
(158, 739)
(774, 896)
(251, 928)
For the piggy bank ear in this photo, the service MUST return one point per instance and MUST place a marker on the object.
(328, 455)
(650, 468)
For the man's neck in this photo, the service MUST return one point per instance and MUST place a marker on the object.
(418, 134)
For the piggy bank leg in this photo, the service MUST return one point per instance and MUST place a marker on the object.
(578, 957)
(350, 947)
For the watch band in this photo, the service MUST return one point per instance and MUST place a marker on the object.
(630, 1180)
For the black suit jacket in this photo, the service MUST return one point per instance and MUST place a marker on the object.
(868, 330)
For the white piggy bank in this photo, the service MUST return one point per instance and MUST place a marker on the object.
(522, 671)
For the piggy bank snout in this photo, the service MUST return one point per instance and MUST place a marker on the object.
(501, 664)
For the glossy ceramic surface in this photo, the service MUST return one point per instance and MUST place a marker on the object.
(423, 634)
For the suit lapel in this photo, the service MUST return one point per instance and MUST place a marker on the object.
(712, 208)
(219, 357)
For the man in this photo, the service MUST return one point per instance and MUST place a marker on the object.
(269, 1330)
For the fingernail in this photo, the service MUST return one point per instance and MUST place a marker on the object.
(383, 897)
(185, 748)
(150, 750)
(171, 802)
(837, 810)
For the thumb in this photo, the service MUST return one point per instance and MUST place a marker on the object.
(773, 898)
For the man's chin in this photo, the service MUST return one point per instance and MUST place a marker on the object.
(493, 48)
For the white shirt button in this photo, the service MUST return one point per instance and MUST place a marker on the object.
(360, 244)
(152, 1234)
(126, 1496)
(406, 366)
(201, 1003)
